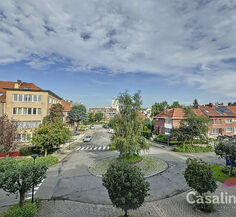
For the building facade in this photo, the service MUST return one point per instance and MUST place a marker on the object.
(222, 119)
(108, 112)
(25, 104)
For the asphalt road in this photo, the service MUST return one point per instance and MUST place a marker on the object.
(71, 180)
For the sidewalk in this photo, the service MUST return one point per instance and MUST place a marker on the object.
(172, 207)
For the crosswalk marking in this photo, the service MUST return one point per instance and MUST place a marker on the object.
(93, 148)
(36, 188)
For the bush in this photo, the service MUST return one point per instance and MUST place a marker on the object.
(161, 137)
(28, 150)
(187, 148)
(28, 210)
(205, 206)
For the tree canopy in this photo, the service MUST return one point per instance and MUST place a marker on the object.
(128, 127)
(17, 176)
(98, 116)
(78, 114)
(126, 185)
(195, 103)
(56, 112)
(50, 135)
(227, 149)
(7, 134)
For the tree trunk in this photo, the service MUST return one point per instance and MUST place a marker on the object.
(126, 213)
(231, 168)
(45, 152)
(22, 199)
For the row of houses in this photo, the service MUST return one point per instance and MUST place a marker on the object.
(222, 119)
(27, 104)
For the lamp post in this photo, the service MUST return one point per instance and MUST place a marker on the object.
(34, 156)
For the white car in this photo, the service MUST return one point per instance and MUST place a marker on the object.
(87, 138)
(110, 131)
(92, 127)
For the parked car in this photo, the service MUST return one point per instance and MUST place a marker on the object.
(87, 138)
(92, 127)
(76, 133)
(105, 126)
(110, 131)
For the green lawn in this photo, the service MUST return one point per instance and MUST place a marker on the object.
(218, 174)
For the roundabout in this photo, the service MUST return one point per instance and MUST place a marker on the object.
(149, 166)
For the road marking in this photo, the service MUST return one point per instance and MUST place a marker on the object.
(86, 148)
(99, 148)
(95, 148)
(91, 148)
(108, 147)
(82, 148)
(78, 148)
(104, 147)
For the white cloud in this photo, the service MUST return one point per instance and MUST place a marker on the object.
(185, 40)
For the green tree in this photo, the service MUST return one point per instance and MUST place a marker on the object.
(77, 114)
(128, 128)
(199, 176)
(56, 112)
(159, 107)
(227, 149)
(192, 126)
(91, 117)
(18, 176)
(175, 104)
(126, 185)
(50, 135)
(7, 134)
(195, 103)
(98, 116)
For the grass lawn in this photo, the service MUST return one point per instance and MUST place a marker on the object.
(218, 174)
(148, 165)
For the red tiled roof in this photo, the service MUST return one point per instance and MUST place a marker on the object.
(177, 113)
(10, 84)
(66, 105)
(141, 115)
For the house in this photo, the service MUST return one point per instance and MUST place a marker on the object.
(222, 119)
(67, 105)
(26, 104)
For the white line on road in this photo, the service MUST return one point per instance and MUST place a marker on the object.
(82, 148)
(104, 147)
(86, 148)
(95, 148)
(78, 148)
(99, 148)
(91, 148)
(108, 147)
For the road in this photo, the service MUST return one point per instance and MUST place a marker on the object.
(71, 180)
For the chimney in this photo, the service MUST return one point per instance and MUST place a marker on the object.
(17, 84)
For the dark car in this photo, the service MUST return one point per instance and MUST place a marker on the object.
(105, 126)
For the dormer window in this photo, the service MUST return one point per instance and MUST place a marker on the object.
(1, 94)
(26, 88)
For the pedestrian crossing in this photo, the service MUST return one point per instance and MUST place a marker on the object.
(36, 188)
(93, 148)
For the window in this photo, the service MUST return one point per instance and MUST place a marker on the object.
(167, 130)
(35, 98)
(34, 111)
(228, 121)
(212, 122)
(29, 111)
(19, 111)
(215, 121)
(39, 98)
(21, 97)
(39, 111)
(50, 100)
(25, 111)
(229, 130)
(214, 131)
(15, 97)
(220, 122)
(30, 98)
(14, 111)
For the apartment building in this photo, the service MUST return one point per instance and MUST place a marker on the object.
(222, 119)
(26, 104)
(67, 105)
(108, 112)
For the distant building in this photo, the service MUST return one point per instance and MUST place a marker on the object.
(115, 104)
(67, 105)
(108, 112)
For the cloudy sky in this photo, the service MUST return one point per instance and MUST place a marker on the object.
(90, 51)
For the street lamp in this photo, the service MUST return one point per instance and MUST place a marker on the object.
(34, 156)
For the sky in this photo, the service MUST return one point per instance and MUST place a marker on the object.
(91, 51)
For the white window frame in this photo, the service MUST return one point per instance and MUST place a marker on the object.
(227, 130)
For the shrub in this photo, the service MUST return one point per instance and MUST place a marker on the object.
(187, 148)
(199, 176)
(126, 185)
(161, 137)
(49, 160)
(28, 210)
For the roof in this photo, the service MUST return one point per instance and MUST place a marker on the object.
(218, 111)
(11, 85)
(177, 113)
(66, 105)
(141, 115)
